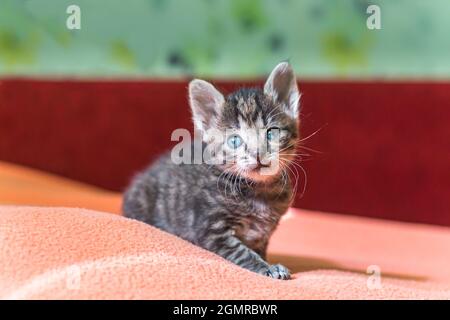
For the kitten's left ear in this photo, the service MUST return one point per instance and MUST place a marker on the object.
(281, 86)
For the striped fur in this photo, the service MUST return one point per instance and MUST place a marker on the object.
(229, 212)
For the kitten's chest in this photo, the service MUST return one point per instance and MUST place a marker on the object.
(256, 225)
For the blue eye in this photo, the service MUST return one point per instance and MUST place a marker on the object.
(272, 133)
(234, 141)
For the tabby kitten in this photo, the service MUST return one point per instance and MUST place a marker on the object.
(230, 207)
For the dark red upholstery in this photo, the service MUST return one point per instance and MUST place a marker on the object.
(386, 146)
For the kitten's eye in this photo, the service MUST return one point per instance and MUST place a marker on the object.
(234, 141)
(273, 133)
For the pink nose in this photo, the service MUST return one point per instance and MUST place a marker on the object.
(258, 161)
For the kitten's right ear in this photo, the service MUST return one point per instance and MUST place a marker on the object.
(205, 100)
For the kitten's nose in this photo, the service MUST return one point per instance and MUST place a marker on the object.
(259, 163)
(263, 164)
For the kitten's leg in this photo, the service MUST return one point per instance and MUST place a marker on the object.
(277, 271)
(261, 249)
(232, 249)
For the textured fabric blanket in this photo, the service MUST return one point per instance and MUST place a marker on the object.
(64, 253)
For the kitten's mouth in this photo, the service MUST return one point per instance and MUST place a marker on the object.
(261, 172)
(259, 166)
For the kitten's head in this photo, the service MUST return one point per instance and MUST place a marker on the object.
(253, 132)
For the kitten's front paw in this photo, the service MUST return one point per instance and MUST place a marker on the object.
(278, 271)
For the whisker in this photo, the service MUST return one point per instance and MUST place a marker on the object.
(305, 175)
(309, 149)
(296, 175)
(312, 134)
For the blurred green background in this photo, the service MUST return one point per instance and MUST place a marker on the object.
(225, 38)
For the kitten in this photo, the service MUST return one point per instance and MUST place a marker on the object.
(232, 207)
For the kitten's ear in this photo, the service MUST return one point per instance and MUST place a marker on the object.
(205, 101)
(281, 86)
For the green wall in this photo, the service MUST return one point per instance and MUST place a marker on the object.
(225, 38)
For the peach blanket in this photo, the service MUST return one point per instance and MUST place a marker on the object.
(70, 253)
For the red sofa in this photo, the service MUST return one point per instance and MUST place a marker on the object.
(384, 146)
